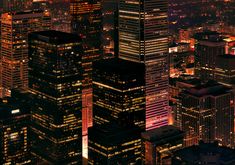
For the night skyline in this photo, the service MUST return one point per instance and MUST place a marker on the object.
(149, 82)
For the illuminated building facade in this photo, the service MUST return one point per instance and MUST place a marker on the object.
(14, 133)
(118, 92)
(159, 144)
(177, 85)
(208, 114)
(180, 58)
(208, 46)
(15, 27)
(112, 144)
(86, 21)
(55, 81)
(225, 69)
(143, 38)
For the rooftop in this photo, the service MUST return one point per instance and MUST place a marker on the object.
(56, 37)
(158, 134)
(210, 88)
(113, 134)
(119, 65)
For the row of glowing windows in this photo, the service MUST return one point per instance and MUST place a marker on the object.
(135, 142)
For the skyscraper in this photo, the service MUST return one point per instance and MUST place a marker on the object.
(118, 112)
(55, 82)
(118, 92)
(143, 37)
(208, 114)
(208, 46)
(15, 28)
(86, 22)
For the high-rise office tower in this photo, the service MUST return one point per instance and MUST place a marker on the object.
(55, 81)
(159, 144)
(208, 46)
(15, 28)
(208, 114)
(14, 133)
(177, 85)
(112, 144)
(118, 112)
(16, 5)
(118, 92)
(87, 23)
(143, 37)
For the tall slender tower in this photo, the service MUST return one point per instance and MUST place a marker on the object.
(55, 82)
(143, 37)
(87, 23)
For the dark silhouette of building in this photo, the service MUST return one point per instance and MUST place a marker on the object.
(118, 92)
(119, 112)
(113, 144)
(55, 80)
(177, 85)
